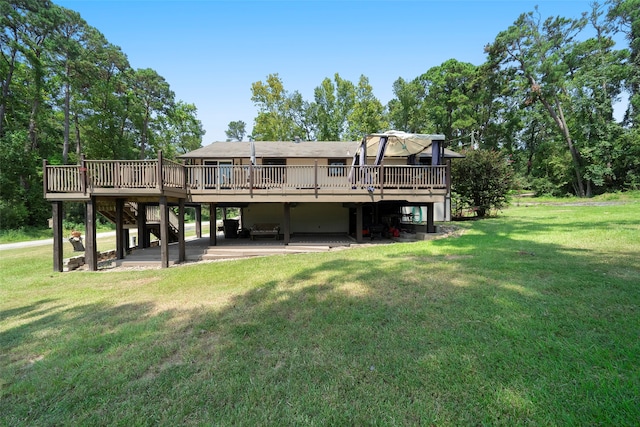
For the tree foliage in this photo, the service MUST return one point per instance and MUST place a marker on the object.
(481, 180)
(544, 98)
(236, 131)
(66, 91)
(280, 113)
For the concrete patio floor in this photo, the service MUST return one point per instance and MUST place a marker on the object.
(198, 249)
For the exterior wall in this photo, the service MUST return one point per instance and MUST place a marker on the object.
(392, 161)
(304, 162)
(299, 161)
(319, 218)
(263, 213)
(305, 217)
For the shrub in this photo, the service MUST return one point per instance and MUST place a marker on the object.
(482, 180)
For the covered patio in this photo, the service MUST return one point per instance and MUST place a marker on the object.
(199, 249)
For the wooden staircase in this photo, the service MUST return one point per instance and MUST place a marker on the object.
(130, 218)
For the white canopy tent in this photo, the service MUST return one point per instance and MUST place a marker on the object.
(395, 143)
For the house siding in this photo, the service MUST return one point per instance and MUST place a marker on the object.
(305, 217)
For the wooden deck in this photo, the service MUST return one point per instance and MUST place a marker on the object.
(163, 183)
(149, 179)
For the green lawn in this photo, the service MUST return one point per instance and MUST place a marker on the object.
(530, 318)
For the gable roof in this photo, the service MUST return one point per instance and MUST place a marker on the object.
(277, 149)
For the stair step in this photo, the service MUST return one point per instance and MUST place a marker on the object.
(308, 248)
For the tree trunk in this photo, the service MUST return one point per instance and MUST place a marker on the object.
(559, 118)
(76, 124)
(65, 144)
(6, 83)
(33, 136)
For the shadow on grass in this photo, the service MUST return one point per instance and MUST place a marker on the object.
(489, 329)
(21, 311)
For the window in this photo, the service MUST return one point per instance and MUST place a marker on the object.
(219, 172)
(337, 167)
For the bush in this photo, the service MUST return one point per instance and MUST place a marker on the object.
(482, 180)
(12, 215)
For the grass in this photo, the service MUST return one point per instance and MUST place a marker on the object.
(31, 233)
(530, 318)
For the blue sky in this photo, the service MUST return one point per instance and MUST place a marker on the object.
(211, 51)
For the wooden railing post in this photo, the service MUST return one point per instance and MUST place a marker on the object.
(83, 174)
(45, 184)
(315, 177)
(116, 174)
(160, 181)
(251, 179)
(448, 176)
(185, 175)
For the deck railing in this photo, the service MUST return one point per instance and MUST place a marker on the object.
(146, 174)
(103, 174)
(62, 179)
(333, 177)
(173, 174)
(122, 173)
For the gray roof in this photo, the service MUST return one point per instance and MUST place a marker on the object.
(277, 149)
(288, 149)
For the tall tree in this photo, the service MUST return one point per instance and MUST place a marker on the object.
(335, 101)
(179, 130)
(154, 98)
(405, 110)
(105, 130)
(625, 14)
(368, 115)
(303, 114)
(67, 47)
(537, 49)
(275, 120)
(16, 19)
(597, 72)
(449, 99)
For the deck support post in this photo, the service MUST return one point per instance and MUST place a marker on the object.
(143, 240)
(431, 228)
(287, 223)
(57, 215)
(199, 221)
(182, 251)
(120, 235)
(164, 232)
(91, 250)
(359, 223)
(213, 225)
(126, 239)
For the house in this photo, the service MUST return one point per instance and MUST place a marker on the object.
(282, 188)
